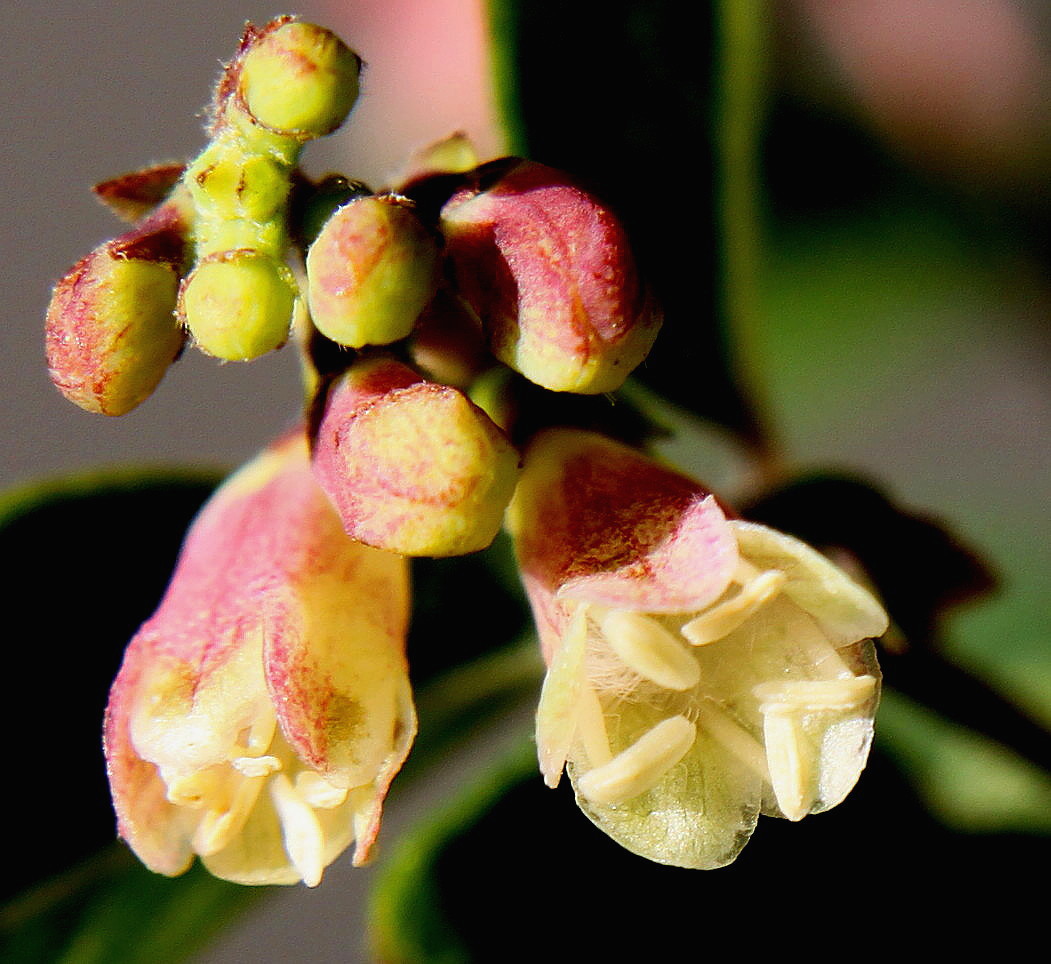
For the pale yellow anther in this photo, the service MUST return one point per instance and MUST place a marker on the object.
(256, 766)
(226, 814)
(317, 791)
(650, 650)
(734, 737)
(642, 765)
(723, 618)
(194, 790)
(804, 695)
(591, 728)
(304, 840)
(791, 770)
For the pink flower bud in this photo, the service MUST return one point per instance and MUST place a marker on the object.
(549, 271)
(412, 466)
(263, 710)
(111, 331)
(371, 271)
(700, 670)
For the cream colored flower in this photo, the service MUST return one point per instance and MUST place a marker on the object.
(261, 713)
(700, 670)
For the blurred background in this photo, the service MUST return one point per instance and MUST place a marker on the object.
(904, 302)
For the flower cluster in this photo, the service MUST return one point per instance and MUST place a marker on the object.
(700, 669)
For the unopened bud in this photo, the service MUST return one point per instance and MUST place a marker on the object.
(238, 305)
(550, 273)
(371, 272)
(448, 344)
(111, 331)
(299, 80)
(411, 466)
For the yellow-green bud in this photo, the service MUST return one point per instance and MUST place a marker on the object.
(238, 305)
(371, 271)
(111, 331)
(299, 79)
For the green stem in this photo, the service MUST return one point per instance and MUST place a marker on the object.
(739, 103)
(502, 32)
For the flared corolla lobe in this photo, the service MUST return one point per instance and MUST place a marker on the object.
(412, 466)
(700, 670)
(261, 713)
(111, 331)
(549, 271)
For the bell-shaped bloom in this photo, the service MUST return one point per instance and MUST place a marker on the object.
(701, 670)
(261, 713)
(549, 272)
(412, 466)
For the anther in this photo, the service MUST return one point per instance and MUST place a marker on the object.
(790, 767)
(304, 842)
(642, 765)
(256, 766)
(723, 618)
(734, 737)
(650, 650)
(803, 695)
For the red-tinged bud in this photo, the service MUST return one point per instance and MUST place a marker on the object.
(371, 271)
(701, 670)
(111, 331)
(448, 344)
(550, 273)
(412, 466)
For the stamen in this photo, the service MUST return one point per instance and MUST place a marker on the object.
(819, 653)
(591, 727)
(256, 766)
(790, 769)
(304, 840)
(224, 818)
(193, 790)
(802, 695)
(317, 791)
(723, 618)
(650, 650)
(642, 765)
(734, 737)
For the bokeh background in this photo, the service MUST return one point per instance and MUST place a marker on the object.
(905, 297)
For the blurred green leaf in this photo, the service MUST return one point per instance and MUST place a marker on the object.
(87, 559)
(619, 94)
(407, 907)
(112, 910)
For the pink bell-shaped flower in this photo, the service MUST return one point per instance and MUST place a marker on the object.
(700, 670)
(263, 710)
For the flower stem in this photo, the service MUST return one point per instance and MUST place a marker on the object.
(739, 96)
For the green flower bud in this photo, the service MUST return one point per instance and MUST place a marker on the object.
(238, 305)
(371, 271)
(299, 79)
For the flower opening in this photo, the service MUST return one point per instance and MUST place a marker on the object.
(261, 713)
(701, 670)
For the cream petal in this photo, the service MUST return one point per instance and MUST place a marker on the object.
(846, 610)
